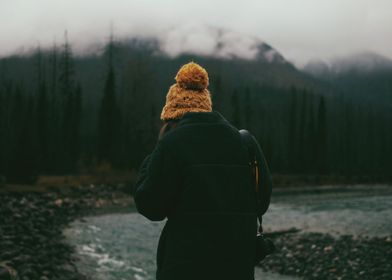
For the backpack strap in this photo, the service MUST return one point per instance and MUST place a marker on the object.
(249, 142)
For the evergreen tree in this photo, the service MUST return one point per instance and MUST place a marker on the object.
(23, 158)
(311, 141)
(53, 62)
(371, 141)
(322, 137)
(302, 135)
(75, 145)
(54, 115)
(347, 143)
(293, 131)
(108, 113)
(67, 71)
(217, 93)
(235, 105)
(2, 130)
(248, 109)
(68, 106)
(42, 114)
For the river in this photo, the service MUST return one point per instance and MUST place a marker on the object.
(122, 246)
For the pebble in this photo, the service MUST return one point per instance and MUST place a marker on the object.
(32, 246)
(322, 256)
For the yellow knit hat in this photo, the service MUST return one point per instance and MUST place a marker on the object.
(188, 94)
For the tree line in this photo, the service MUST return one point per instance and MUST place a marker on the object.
(66, 114)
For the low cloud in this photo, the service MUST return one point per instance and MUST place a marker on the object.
(300, 30)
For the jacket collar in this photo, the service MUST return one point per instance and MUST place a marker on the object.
(202, 117)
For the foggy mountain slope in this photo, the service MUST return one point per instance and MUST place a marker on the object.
(260, 64)
(317, 68)
(364, 76)
(359, 63)
(255, 93)
(147, 65)
(144, 73)
(267, 66)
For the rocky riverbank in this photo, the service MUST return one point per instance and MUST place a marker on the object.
(321, 256)
(32, 245)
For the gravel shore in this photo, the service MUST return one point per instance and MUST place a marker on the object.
(322, 256)
(32, 245)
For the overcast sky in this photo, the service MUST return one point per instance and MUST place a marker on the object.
(299, 29)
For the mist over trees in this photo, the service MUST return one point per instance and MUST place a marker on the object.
(64, 114)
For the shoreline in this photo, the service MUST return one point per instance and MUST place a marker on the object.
(33, 245)
(298, 180)
(323, 256)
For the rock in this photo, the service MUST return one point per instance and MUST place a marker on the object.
(328, 249)
(4, 273)
(58, 202)
(31, 239)
(7, 255)
(7, 272)
(321, 256)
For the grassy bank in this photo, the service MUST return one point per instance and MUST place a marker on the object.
(46, 183)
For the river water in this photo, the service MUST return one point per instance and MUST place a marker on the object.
(123, 246)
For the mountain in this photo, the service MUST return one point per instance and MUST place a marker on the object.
(361, 64)
(317, 68)
(364, 77)
(251, 83)
(233, 60)
(268, 54)
(210, 41)
(240, 60)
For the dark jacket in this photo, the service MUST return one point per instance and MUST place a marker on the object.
(198, 178)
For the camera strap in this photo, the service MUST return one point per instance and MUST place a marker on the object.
(249, 142)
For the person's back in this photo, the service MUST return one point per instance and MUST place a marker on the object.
(198, 177)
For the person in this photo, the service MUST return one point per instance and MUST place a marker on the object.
(198, 177)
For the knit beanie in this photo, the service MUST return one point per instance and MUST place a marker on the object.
(188, 94)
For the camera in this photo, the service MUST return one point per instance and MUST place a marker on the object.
(264, 247)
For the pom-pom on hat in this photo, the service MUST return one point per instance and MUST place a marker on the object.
(188, 94)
